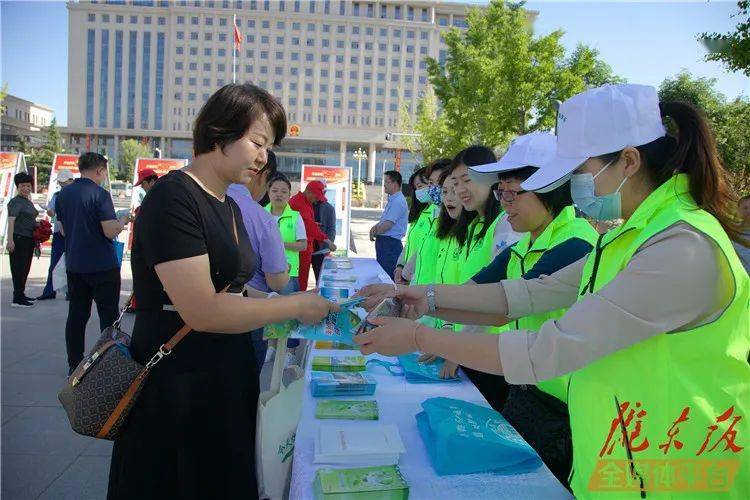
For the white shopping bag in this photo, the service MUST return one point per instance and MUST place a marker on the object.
(279, 411)
(59, 274)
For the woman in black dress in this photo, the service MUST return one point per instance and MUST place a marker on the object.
(191, 433)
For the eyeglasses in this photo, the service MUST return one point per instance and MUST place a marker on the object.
(507, 195)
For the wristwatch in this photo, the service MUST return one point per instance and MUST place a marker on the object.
(431, 307)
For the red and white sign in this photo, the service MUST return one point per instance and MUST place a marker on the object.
(161, 166)
(10, 165)
(338, 181)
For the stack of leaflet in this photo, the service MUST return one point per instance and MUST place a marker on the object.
(324, 384)
(337, 263)
(345, 409)
(361, 483)
(333, 345)
(360, 444)
(338, 363)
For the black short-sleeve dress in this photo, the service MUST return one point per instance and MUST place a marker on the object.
(191, 433)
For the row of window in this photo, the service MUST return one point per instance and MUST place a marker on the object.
(120, 19)
(442, 20)
(146, 78)
(366, 9)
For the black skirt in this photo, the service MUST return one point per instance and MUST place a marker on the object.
(191, 433)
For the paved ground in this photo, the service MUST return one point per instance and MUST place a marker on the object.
(41, 457)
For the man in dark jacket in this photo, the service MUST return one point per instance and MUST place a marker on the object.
(325, 216)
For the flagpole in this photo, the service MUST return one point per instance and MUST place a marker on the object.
(234, 49)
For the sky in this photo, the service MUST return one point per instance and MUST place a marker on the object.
(644, 42)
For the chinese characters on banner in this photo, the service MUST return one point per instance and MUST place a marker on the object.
(338, 181)
(709, 467)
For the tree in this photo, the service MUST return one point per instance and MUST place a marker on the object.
(22, 145)
(700, 92)
(44, 156)
(433, 141)
(129, 151)
(497, 80)
(729, 121)
(732, 49)
(3, 95)
(585, 62)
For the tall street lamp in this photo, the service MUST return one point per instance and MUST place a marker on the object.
(359, 155)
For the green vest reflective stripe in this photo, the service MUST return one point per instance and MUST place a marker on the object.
(416, 232)
(704, 369)
(288, 229)
(524, 255)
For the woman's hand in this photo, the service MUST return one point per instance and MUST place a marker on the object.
(409, 295)
(448, 370)
(393, 336)
(10, 245)
(397, 275)
(313, 308)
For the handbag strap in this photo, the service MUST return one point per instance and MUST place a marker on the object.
(164, 350)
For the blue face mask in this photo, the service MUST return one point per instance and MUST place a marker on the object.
(422, 194)
(583, 192)
(435, 193)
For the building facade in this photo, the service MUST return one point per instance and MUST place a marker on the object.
(341, 68)
(22, 118)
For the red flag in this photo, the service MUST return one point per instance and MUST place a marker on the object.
(237, 36)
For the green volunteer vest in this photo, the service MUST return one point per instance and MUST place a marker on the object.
(524, 255)
(478, 254)
(288, 229)
(704, 369)
(449, 258)
(425, 269)
(417, 230)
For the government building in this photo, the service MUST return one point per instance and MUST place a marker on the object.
(142, 70)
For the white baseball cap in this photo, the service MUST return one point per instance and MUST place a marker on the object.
(529, 150)
(598, 121)
(65, 175)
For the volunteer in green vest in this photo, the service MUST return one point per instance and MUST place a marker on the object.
(552, 238)
(657, 336)
(418, 219)
(489, 233)
(423, 260)
(291, 226)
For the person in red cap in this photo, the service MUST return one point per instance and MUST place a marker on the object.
(146, 179)
(303, 203)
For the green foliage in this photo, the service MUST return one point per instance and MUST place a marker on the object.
(730, 121)
(43, 157)
(732, 49)
(498, 81)
(129, 151)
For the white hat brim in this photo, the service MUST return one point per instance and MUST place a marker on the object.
(487, 174)
(552, 175)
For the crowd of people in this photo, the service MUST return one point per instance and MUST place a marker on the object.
(506, 273)
(576, 333)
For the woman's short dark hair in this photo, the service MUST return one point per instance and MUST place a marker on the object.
(280, 178)
(91, 160)
(271, 166)
(230, 111)
(22, 177)
(439, 164)
(554, 201)
(416, 207)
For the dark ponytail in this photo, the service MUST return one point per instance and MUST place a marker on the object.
(695, 154)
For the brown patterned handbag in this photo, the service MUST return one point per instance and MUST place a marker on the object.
(101, 391)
